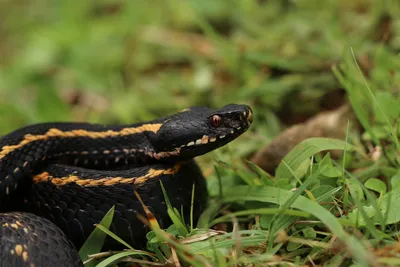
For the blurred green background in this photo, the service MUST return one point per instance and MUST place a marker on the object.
(127, 61)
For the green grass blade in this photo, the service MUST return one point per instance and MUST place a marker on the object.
(114, 258)
(226, 241)
(192, 208)
(108, 232)
(265, 211)
(174, 214)
(331, 192)
(96, 239)
(210, 212)
(265, 178)
(304, 150)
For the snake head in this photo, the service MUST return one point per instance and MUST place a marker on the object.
(198, 130)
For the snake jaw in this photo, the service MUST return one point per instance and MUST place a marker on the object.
(164, 154)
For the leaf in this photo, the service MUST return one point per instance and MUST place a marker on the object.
(395, 180)
(327, 169)
(96, 239)
(389, 206)
(376, 185)
(293, 246)
(264, 176)
(357, 189)
(325, 193)
(304, 150)
(386, 107)
(177, 221)
(283, 183)
(283, 221)
(309, 232)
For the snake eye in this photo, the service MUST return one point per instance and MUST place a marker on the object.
(216, 121)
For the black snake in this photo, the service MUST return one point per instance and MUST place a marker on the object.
(73, 173)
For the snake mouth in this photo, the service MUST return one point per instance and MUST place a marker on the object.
(197, 147)
(200, 145)
(208, 139)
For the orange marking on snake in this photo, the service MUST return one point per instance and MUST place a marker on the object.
(60, 181)
(53, 132)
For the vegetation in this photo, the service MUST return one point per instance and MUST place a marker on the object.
(126, 61)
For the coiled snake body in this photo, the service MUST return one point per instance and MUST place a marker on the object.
(73, 173)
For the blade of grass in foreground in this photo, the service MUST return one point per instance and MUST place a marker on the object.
(174, 214)
(111, 234)
(114, 258)
(280, 196)
(96, 239)
(304, 150)
(249, 212)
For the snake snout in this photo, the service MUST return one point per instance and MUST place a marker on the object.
(245, 117)
(250, 116)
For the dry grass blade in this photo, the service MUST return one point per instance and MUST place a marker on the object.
(175, 258)
(151, 220)
(236, 235)
(201, 237)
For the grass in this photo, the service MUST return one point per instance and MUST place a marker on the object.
(127, 61)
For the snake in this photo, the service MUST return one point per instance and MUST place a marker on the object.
(58, 180)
